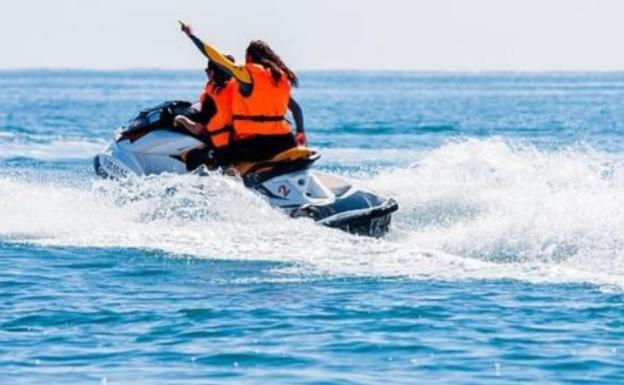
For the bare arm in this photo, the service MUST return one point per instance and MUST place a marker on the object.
(191, 126)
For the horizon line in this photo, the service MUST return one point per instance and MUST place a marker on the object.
(311, 70)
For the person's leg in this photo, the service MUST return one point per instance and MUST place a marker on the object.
(196, 157)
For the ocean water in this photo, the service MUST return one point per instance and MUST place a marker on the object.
(504, 265)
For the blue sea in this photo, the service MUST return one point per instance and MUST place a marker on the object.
(504, 264)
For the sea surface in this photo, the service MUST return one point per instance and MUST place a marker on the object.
(504, 264)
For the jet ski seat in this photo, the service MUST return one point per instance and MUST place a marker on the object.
(291, 160)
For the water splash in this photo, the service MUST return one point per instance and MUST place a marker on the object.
(469, 209)
(45, 148)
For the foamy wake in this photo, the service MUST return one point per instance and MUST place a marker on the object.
(471, 209)
(49, 149)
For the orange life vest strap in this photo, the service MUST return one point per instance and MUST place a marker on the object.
(221, 130)
(259, 118)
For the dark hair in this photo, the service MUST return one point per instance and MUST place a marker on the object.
(259, 52)
(220, 78)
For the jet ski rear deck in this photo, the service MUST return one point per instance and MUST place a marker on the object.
(350, 209)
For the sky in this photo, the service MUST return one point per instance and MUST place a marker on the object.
(436, 35)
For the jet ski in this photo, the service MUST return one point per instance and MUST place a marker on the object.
(149, 144)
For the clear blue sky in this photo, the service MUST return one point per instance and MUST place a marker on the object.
(319, 34)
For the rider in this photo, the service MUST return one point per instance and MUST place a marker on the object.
(215, 108)
(259, 103)
(215, 117)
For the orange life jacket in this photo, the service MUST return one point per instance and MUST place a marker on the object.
(263, 112)
(219, 127)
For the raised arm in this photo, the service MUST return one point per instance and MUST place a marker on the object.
(239, 72)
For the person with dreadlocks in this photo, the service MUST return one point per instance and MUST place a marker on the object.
(259, 105)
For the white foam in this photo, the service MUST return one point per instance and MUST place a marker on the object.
(471, 209)
(368, 158)
(560, 212)
(50, 150)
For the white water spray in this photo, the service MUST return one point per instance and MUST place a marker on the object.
(471, 209)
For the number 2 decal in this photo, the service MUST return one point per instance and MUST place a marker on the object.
(283, 190)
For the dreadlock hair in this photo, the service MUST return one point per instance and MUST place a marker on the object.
(219, 78)
(260, 53)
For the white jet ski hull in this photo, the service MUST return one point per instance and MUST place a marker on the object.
(330, 200)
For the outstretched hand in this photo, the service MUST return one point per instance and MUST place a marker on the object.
(186, 28)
